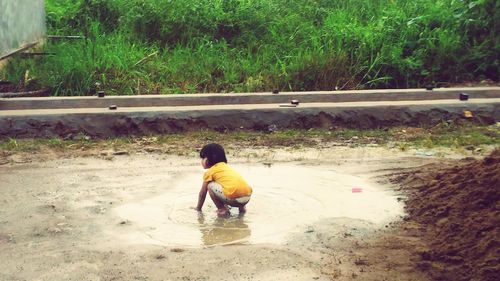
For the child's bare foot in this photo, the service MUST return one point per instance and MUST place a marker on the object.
(222, 212)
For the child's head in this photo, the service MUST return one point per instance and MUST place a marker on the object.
(214, 153)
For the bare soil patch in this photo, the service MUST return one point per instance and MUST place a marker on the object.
(450, 232)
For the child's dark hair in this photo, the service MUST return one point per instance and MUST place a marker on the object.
(214, 153)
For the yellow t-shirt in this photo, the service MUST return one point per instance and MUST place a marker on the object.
(233, 184)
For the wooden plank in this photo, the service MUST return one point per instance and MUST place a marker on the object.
(22, 48)
(39, 93)
(34, 54)
(61, 37)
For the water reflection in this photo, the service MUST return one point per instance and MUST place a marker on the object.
(224, 231)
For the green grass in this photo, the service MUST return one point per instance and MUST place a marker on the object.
(260, 45)
(456, 137)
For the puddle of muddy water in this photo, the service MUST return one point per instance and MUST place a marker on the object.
(287, 198)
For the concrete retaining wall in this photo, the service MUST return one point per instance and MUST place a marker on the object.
(144, 115)
(106, 124)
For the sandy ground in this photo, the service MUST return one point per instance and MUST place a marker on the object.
(59, 221)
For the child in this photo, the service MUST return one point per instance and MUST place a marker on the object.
(224, 185)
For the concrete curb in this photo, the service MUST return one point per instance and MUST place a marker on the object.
(246, 98)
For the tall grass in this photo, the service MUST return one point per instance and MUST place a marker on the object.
(260, 45)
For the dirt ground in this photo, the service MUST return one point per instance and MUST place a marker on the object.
(54, 227)
(458, 208)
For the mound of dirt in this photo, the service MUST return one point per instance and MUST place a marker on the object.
(459, 209)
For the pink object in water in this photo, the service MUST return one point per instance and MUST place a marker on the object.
(357, 190)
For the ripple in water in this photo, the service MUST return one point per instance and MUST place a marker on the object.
(286, 199)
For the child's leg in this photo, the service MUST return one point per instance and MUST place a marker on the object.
(218, 203)
(242, 209)
(215, 192)
(241, 203)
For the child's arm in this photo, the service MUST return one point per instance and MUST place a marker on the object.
(202, 195)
